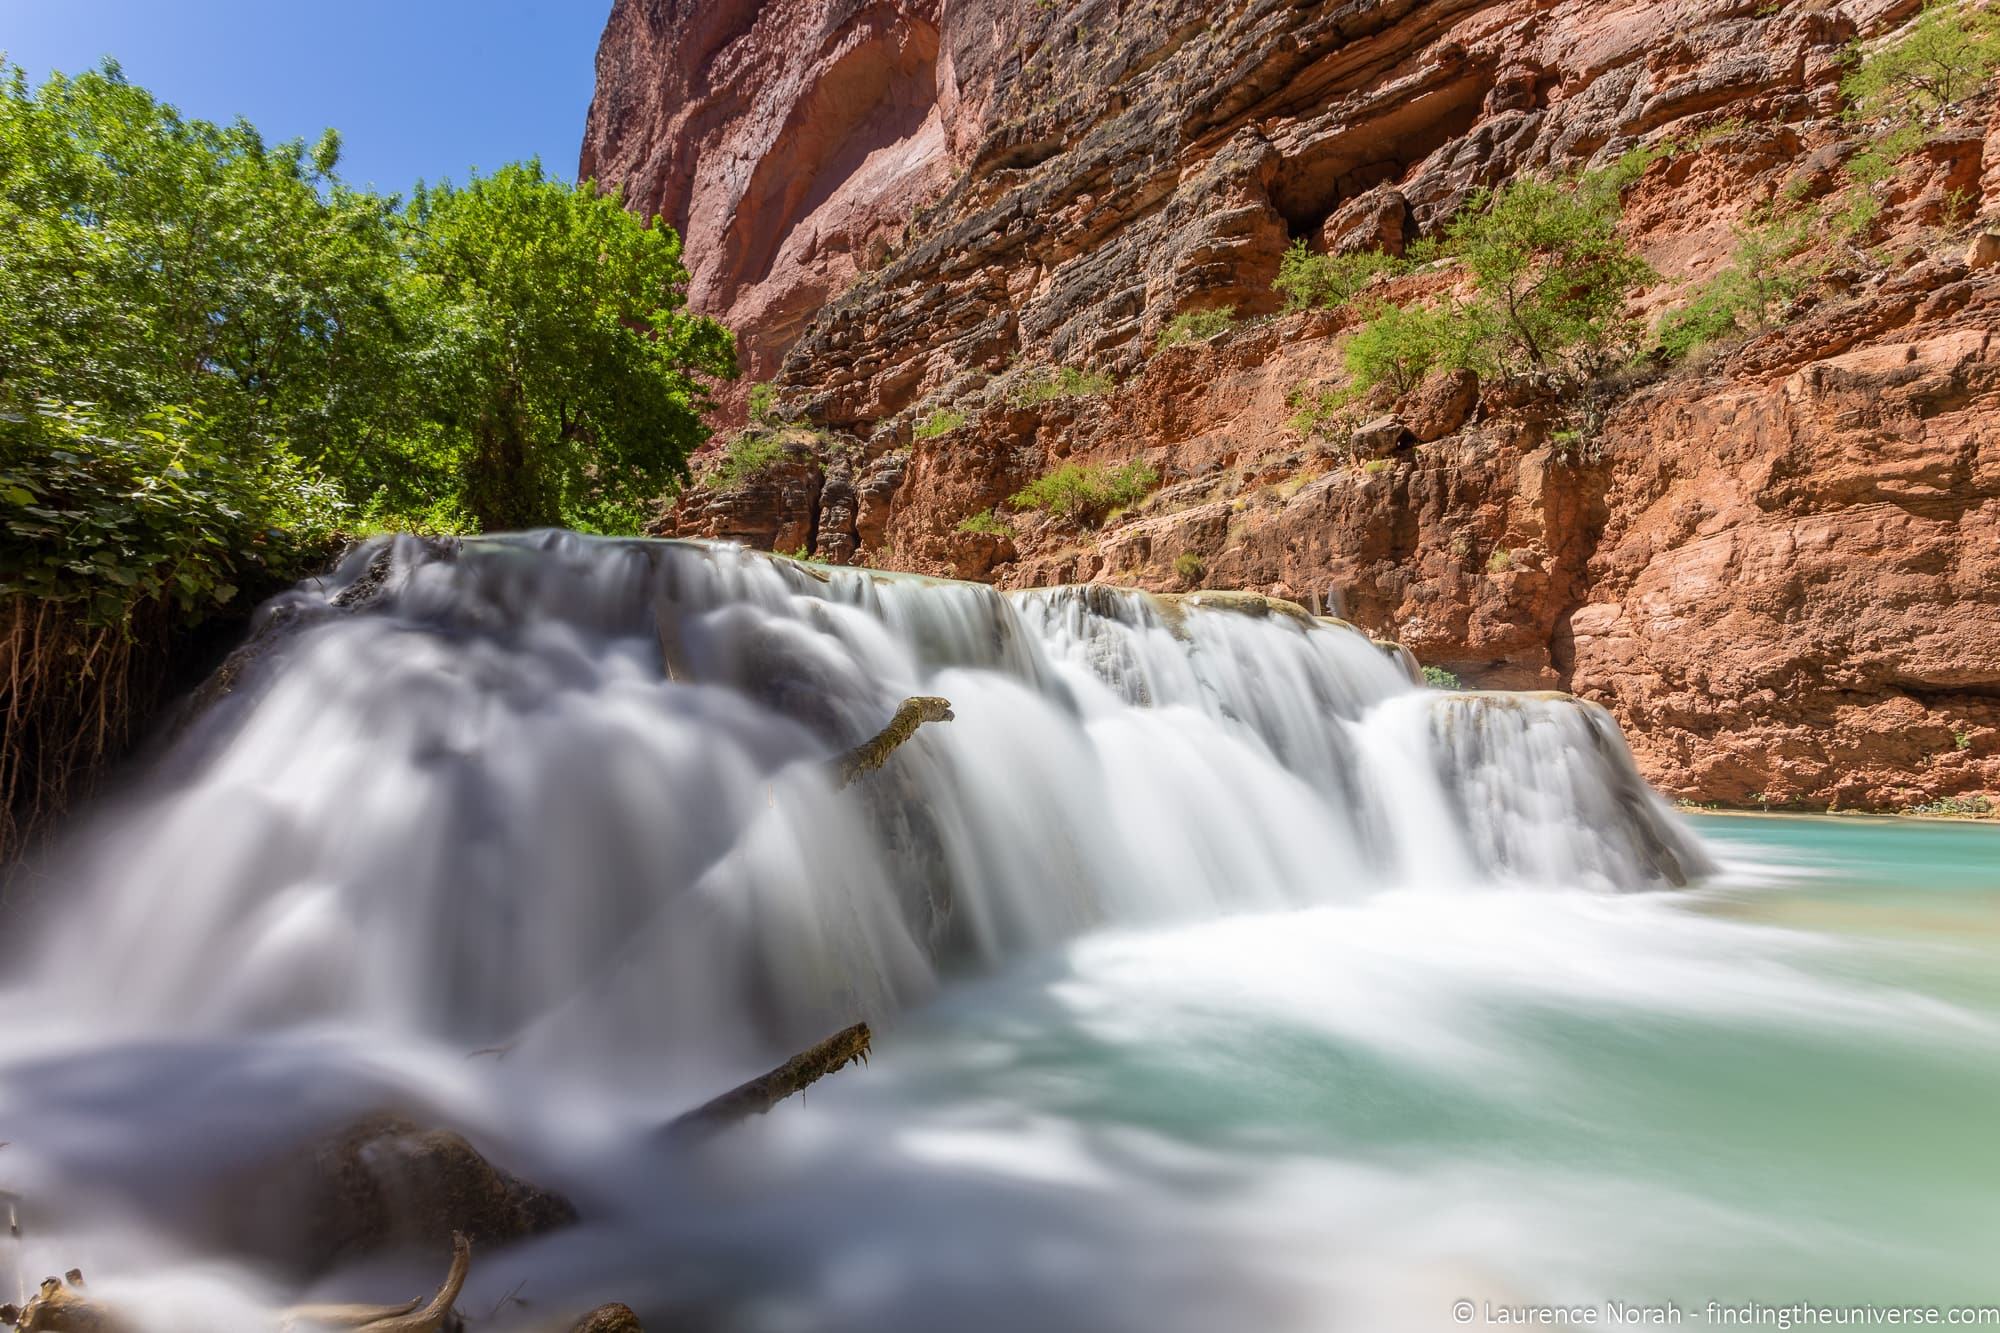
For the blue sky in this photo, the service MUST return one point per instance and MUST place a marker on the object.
(417, 88)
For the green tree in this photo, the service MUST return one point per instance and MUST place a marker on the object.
(557, 354)
(1950, 50)
(153, 261)
(1402, 344)
(1553, 272)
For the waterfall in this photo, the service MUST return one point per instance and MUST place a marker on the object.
(572, 794)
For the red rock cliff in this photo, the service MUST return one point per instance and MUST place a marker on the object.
(1780, 567)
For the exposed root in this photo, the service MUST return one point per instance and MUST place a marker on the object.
(406, 1318)
(872, 754)
(843, 1048)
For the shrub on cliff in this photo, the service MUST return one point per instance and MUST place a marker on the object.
(1950, 50)
(1195, 326)
(1051, 384)
(1086, 492)
(1553, 275)
(1311, 281)
(941, 422)
(1402, 344)
(1765, 275)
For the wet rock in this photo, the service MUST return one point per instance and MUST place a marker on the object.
(381, 1183)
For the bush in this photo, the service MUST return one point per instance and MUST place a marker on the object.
(1189, 567)
(941, 422)
(1553, 272)
(1943, 58)
(1439, 678)
(1196, 326)
(1311, 281)
(1402, 344)
(1314, 410)
(1763, 277)
(986, 522)
(1085, 492)
(764, 404)
(161, 514)
(751, 454)
(1051, 384)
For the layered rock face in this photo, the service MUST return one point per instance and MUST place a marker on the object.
(1780, 568)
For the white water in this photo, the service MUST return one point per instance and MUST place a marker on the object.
(570, 797)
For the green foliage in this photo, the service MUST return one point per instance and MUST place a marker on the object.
(1440, 679)
(266, 352)
(1950, 50)
(1053, 383)
(749, 455)
(1310, 281)
(986, 522)
(1402, 344)
(1500, 561)
(1189, 567)
(941, 422)
(1765, 275)
(764, 404)
(1314, 410)
(1195, 326)
(1086, 492)
(563, 366)
(1961, 741)
(154, 262)
(1553, 273)
(160, 514)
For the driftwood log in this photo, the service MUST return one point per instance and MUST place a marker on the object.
(62, 1307)
(872, 754)
(759, 1095)
(417, 1316)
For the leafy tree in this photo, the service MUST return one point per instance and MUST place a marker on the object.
(1402, 344)
(153, 261)
(1950, 50)
(1553, 273)
(558, 354)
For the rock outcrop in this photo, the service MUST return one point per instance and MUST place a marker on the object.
(1780, 567)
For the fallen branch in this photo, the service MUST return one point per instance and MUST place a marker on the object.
(872, 754)
(404, 1318)
(759, 1095)
(60, 1308)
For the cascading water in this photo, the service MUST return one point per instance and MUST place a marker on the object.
(569, 799)
(576, 790)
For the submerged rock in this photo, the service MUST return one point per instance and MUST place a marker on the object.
(381, 1183)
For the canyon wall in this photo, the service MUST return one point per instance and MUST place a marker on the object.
(1780, 566)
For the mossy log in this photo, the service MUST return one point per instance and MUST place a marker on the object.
(759, 1095)
(873, 753)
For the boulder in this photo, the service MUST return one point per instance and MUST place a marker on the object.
(1440, 405)
(1376, 220)
(382, 1183)
(1379, 438)
(609, 1319)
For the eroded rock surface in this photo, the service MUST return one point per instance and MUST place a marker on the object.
(1779, 568)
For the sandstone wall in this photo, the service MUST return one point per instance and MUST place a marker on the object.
(1779, 568)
